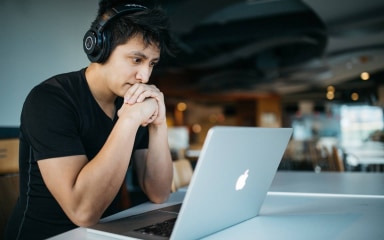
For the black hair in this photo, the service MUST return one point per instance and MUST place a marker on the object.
(151, 23)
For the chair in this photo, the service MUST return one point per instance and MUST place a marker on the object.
(182, 173)
(9, 179)
(338, 160)
(335, 161)
(315, 156)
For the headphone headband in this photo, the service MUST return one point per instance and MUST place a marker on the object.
(117, 11)
(95, 42)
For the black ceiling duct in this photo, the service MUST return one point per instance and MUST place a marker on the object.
(240, 35)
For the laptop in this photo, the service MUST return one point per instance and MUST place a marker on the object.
(231, 179)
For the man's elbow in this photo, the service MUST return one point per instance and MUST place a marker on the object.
(84, 219)
(159, 198)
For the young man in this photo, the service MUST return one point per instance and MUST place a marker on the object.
(81, 130)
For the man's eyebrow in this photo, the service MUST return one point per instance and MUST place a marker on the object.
(142, 55)
(139, 54)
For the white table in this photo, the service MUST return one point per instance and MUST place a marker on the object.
(369, 153)
(300, 205)
(350, 183)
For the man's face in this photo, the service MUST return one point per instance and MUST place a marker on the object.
(130, 63)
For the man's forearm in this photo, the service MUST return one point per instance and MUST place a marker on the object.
(159, 169)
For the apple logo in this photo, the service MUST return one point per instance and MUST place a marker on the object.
(241, 181)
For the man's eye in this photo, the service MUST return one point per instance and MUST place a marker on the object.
(153, 64)
(136, 60)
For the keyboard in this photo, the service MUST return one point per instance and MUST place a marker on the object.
(163, 229)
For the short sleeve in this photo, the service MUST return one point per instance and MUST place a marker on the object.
(50, 123)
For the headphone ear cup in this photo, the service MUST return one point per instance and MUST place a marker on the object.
(96, 46)
(90, 44)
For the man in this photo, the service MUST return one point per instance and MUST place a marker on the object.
(81, 130)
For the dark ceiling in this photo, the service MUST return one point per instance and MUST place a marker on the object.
(291, 48)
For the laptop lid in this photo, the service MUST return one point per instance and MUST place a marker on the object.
(234, 171)
(231, 179)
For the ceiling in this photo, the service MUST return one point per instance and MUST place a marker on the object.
(294, 49)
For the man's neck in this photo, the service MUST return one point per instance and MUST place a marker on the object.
(102, 95)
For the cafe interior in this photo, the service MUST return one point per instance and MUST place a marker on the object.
(316, 66)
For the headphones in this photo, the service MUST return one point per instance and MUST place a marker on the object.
(96, 43)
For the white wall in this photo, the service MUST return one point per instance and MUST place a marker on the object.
(38, 39)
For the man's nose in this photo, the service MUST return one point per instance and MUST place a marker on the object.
(143, 74)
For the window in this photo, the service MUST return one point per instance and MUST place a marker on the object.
(358, 123)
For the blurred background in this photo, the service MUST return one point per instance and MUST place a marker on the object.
(313, 65)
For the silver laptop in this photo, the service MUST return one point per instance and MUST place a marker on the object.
(230, 182)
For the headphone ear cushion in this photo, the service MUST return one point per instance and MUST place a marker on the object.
(105, 47)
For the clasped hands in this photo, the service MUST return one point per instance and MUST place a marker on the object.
(145, 101)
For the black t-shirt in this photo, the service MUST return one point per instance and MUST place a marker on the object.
(60, 117)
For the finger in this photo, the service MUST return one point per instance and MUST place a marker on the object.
(147, 94)
(129, 96)
(139, 92)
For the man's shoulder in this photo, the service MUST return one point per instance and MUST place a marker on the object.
(64, 81)
(65, 78)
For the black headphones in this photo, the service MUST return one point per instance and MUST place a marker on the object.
(96, 43)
